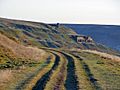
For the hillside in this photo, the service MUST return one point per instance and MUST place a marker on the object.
(39, 56)
(40, 34)
(12, 52)
(108, 35)
(32, 33)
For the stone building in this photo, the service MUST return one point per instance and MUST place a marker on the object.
(82, 38)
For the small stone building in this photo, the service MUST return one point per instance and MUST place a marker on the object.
(82, 38)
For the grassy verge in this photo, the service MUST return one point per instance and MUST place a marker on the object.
(105, 71)
(83, 80)
(12, 77)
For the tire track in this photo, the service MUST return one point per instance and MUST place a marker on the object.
(71, 82)
(60, 79)
(91, 77)
(40, 85)
(22, 84)
(61, 76)
(89, 74)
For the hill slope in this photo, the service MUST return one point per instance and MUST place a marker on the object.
(108, 35)
(12, 52)
(40, 34)
(32, 33)
(53, 57)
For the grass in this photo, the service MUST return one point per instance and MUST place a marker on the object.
(71, 82)
(9, 60)
(83, 80)
(31, 83)
(14, 76)
(18, 62)
(105, 71)
(21, 51)
(26, 65)
(41, 83)
(59, 75)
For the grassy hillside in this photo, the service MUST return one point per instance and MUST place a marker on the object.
(40, 34)
(18, 63)
(38, 56)
(20, 50)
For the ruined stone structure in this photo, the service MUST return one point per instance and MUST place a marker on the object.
(82, 38)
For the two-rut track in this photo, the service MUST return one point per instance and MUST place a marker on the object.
(70, 83)
(60, 76)
(40, 85)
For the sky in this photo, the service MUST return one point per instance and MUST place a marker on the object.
(63, 11)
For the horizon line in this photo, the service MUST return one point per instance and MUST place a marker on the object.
(37, 21)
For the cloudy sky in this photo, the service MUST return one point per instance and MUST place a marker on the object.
(63, 11)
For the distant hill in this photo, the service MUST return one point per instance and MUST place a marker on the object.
(108, 35)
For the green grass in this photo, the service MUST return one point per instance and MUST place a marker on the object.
(107, 72)
(58, 77)
(83, 79)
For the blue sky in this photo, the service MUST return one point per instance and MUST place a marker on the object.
(63, 11)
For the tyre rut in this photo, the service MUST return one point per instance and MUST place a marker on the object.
(40, 85)
(71, 82)
(22, 84)
(61, 76)
(89, 74)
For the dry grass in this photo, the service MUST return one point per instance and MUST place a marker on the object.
(10, 50)
(34, 80)
(20, 50)
(10, 78)
(104, 55)
(5, 76)
(104, 70)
